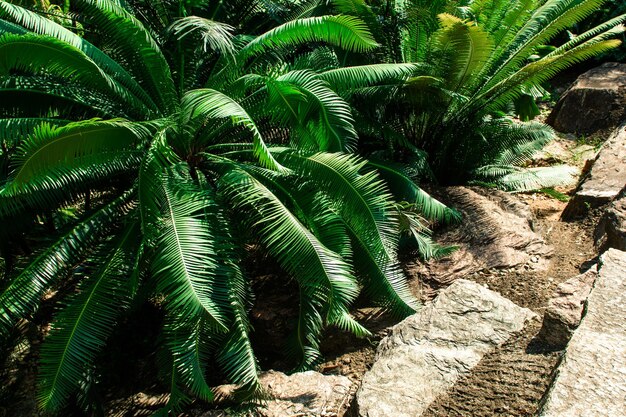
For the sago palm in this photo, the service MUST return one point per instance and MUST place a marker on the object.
(176, 138)
(473, 59)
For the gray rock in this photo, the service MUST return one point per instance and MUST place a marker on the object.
(496, 233)
(425, 354)
(596, 100)
(565, 309)
(606, 178)
(591, 379)
(611, 230)
(308, 394)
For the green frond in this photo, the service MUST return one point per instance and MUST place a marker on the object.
(366, 207)
(548, 20)
(59, 186)
(610, 28)
(349, 78)
(215, 36)
(43, 26)
(327, 117)
(405, 189)
(208, 103)
(49, 147)
(142, 55)
(23, 292)
(184, 339)
(37, 54)
(185, 257)
(512, 178)
(297, 250)
(465, 48)
(346, 32)
(544, 69)
(80, 330)
(14, 130)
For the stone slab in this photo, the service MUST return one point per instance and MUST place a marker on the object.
(606, 179)
(591, 379)
(566, 308)
(425, 354)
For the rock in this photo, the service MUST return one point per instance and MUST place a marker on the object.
(565, 309)
(308, 394)
(496, 233)
(591, 380)
(611, 230)
(596, 100)
(606, 178)
(425, 354)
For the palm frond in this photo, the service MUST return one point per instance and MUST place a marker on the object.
(23, 292)
(80, 330)
(367, 209)
(208, 103)
(346, 32)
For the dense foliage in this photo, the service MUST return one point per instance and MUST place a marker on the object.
(186, 138)
(145, 145)
(475, 59)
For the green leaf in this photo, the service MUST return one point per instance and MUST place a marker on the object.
(80, 330)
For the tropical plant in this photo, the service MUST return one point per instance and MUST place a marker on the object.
(473, 59)
(154, 148)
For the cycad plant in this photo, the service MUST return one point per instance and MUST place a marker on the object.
(473, 60)
(149, 152)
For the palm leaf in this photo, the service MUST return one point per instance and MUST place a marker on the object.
(346, 32)
(80, 330)
(21, 296)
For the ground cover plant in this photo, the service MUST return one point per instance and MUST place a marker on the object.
(141, 156)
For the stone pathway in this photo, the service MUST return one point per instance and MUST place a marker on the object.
(591, 381)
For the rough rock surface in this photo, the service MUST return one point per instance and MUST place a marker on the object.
(565, 309)
(308, 394)
(496, 232)
(591, 380)
(611, 230)
(606, 179)
(596, 100)
(425, 354)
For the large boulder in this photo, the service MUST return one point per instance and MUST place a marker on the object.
(565, 309)
(605, 180)
(596, 101)
(424, 355)
(591, 380)
(611, 230)
(496, 232)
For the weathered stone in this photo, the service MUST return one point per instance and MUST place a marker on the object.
(591, 379)
(496, 233)
(596, 100)
(425, 354)
(308, 394)
(611, 230)
(606, 178)
(565, 309)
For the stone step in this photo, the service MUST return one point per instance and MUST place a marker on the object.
(591, 379)
(425, 354)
